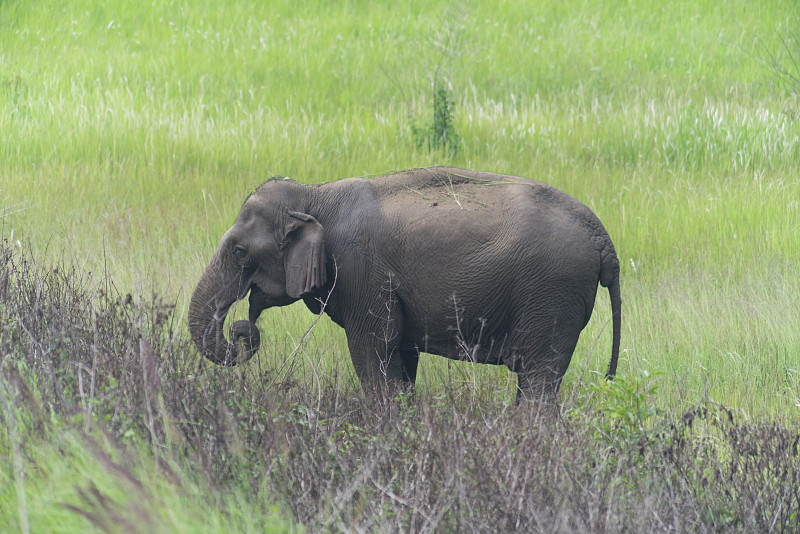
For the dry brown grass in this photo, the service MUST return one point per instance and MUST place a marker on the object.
(78, 353)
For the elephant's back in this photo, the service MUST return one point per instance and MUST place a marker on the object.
(468, 221)
(463, 200)
(472, 191)
(462, 218)
(435, 180)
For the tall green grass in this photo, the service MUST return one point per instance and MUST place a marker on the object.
(92, 484)
(130, 133)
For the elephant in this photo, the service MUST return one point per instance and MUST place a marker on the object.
(476, 266)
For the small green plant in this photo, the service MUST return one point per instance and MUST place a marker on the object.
(440, 132)
(443, 132)
(626, 406)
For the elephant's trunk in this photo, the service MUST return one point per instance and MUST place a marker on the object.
(211, 300)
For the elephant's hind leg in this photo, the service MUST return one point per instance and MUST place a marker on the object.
(544, 359)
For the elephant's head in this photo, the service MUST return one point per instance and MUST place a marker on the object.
(272, 248)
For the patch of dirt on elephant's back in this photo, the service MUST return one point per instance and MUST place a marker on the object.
(447, 189)
(446, 179)
(468, 197)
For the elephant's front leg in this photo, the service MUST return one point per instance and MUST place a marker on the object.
(374, 343)
(378, 369)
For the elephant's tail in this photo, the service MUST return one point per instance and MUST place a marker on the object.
(609, 277)
(616, 320)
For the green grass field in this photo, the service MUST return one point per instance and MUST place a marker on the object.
(130, 134)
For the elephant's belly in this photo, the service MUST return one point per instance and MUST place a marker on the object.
(474, 328)
(475, 347)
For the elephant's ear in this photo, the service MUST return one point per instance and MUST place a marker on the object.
(304, 258)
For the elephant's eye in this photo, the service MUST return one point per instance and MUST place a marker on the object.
(240, 253)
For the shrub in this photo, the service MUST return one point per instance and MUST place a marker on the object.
(439, 133)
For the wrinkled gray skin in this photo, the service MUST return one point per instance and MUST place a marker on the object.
(468, 265)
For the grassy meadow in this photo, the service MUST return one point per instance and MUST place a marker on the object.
(130, 134)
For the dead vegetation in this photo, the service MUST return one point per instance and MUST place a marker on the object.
(75, 352)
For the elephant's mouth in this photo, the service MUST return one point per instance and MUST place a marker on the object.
(246, 339)
(207, 313)
(244, 335)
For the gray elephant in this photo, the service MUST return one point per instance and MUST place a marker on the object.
(469, 265)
